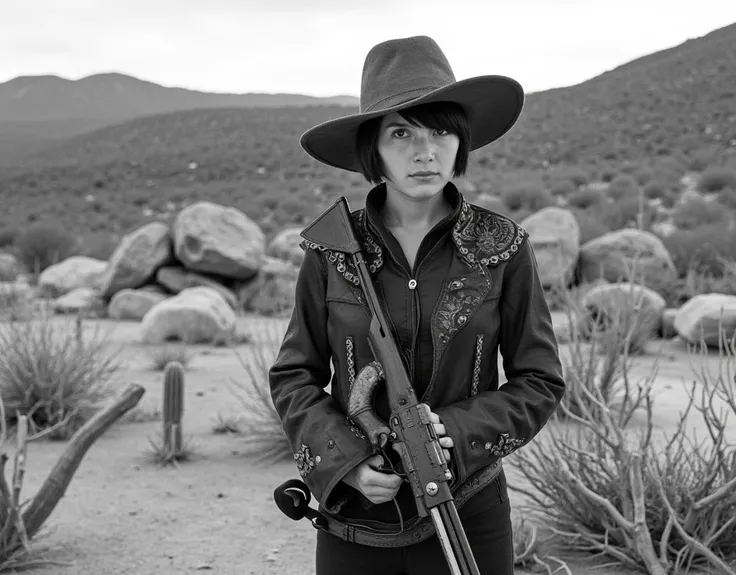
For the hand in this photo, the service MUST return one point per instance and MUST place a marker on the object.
(445, 442)
(376, 486)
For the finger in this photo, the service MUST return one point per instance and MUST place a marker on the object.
(439, 429)
(447, 442)
(447, 454)
(433, 417)
(382, 480)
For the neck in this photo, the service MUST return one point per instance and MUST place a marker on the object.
(402, 212)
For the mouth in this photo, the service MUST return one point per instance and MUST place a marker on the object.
(423, 174)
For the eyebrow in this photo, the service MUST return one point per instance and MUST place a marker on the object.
(398, 125)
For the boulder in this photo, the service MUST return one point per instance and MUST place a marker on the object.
(176, 279)
(72, 273)
(136, 259)
(285, 246)
(272, 290)
(612, 257)
(83, 299)
(133, 304)
(607, 300)
(211, 238)
(699, 317)
(195, 315)
(555, 235)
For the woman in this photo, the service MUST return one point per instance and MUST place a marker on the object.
(459, 284)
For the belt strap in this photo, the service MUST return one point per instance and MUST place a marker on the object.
(414, 531)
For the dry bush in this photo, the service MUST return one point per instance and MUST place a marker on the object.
(622, 186)
(702, 248)
(530, 197)
(715, 179)
(603, 486)
(697, 283)
(42, 244)
(696, 211)
(50, 375)
(259, 422)
(586, 198)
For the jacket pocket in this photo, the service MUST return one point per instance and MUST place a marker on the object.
(477, 359)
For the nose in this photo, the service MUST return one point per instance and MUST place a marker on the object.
(424, 149)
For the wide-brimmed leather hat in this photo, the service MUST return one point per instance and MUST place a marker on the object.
(406, 72)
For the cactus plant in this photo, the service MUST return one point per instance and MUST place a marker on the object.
(173, 408)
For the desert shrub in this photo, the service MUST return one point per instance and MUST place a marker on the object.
(532, 197)
(603, 484)
(493, 203)
(696, 211)
(259, 422)
(53, 376)
(586, 198)
(727, 197)
(643, 175)
(563, 188)
(656, 190)
(702, 249)
(41, 245)
(625, 212)
(7, 236)
(699, 160)
(622, 186)
(695, 283)
(590, 223)
(716, 178)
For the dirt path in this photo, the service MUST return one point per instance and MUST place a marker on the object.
(214, 514)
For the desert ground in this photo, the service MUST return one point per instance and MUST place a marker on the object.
(124, 515)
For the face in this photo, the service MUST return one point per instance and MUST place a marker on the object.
(418, 161)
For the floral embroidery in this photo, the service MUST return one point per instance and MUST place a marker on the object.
(476, 365)
(305, 463)
(458, 302)
(485, 237)
(355, 429)
(505, 446)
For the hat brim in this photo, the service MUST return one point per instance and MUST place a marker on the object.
(492, 105)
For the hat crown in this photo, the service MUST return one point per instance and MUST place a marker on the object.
(397, 71)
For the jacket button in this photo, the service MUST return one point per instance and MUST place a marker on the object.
(473, 444)
(488, 445)
(462, 319)
(330, 444)
(412, 283)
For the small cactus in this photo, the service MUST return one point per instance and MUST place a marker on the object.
(173, 408)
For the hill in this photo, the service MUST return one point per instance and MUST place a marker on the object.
(656, 117)
(36, 110)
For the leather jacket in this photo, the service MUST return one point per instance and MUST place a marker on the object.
(474, 291)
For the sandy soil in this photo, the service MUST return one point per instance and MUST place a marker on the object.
(214, 514)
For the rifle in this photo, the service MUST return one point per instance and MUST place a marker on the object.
(409, 430)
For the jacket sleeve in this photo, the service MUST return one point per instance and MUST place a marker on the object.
(493, 424)
(324, 446)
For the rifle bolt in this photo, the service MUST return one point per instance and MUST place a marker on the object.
(431, 488)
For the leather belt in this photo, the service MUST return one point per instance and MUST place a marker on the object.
(415, 530)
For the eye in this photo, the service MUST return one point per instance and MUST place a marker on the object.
(399, 132)
(442, 132)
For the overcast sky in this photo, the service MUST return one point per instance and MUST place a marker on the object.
(317, 47)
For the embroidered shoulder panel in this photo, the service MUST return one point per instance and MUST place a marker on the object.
(486, 237)
(372, 251)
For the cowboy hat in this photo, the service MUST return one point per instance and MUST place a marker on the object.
(406, 72)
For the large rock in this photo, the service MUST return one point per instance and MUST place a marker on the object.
(609, 300)
(177, 279)
(285, 246)
(72, 273)
(700, 316)
(83, 299)
(271, 293)
(612, 257)
(555, 235)
(196, 315)
(137, 257)
(215, 239)
(133, 304)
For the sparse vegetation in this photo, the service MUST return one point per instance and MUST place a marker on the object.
(46, 374)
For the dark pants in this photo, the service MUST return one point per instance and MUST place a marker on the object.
(486, 518)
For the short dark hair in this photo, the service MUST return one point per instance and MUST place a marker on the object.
(447, 116)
